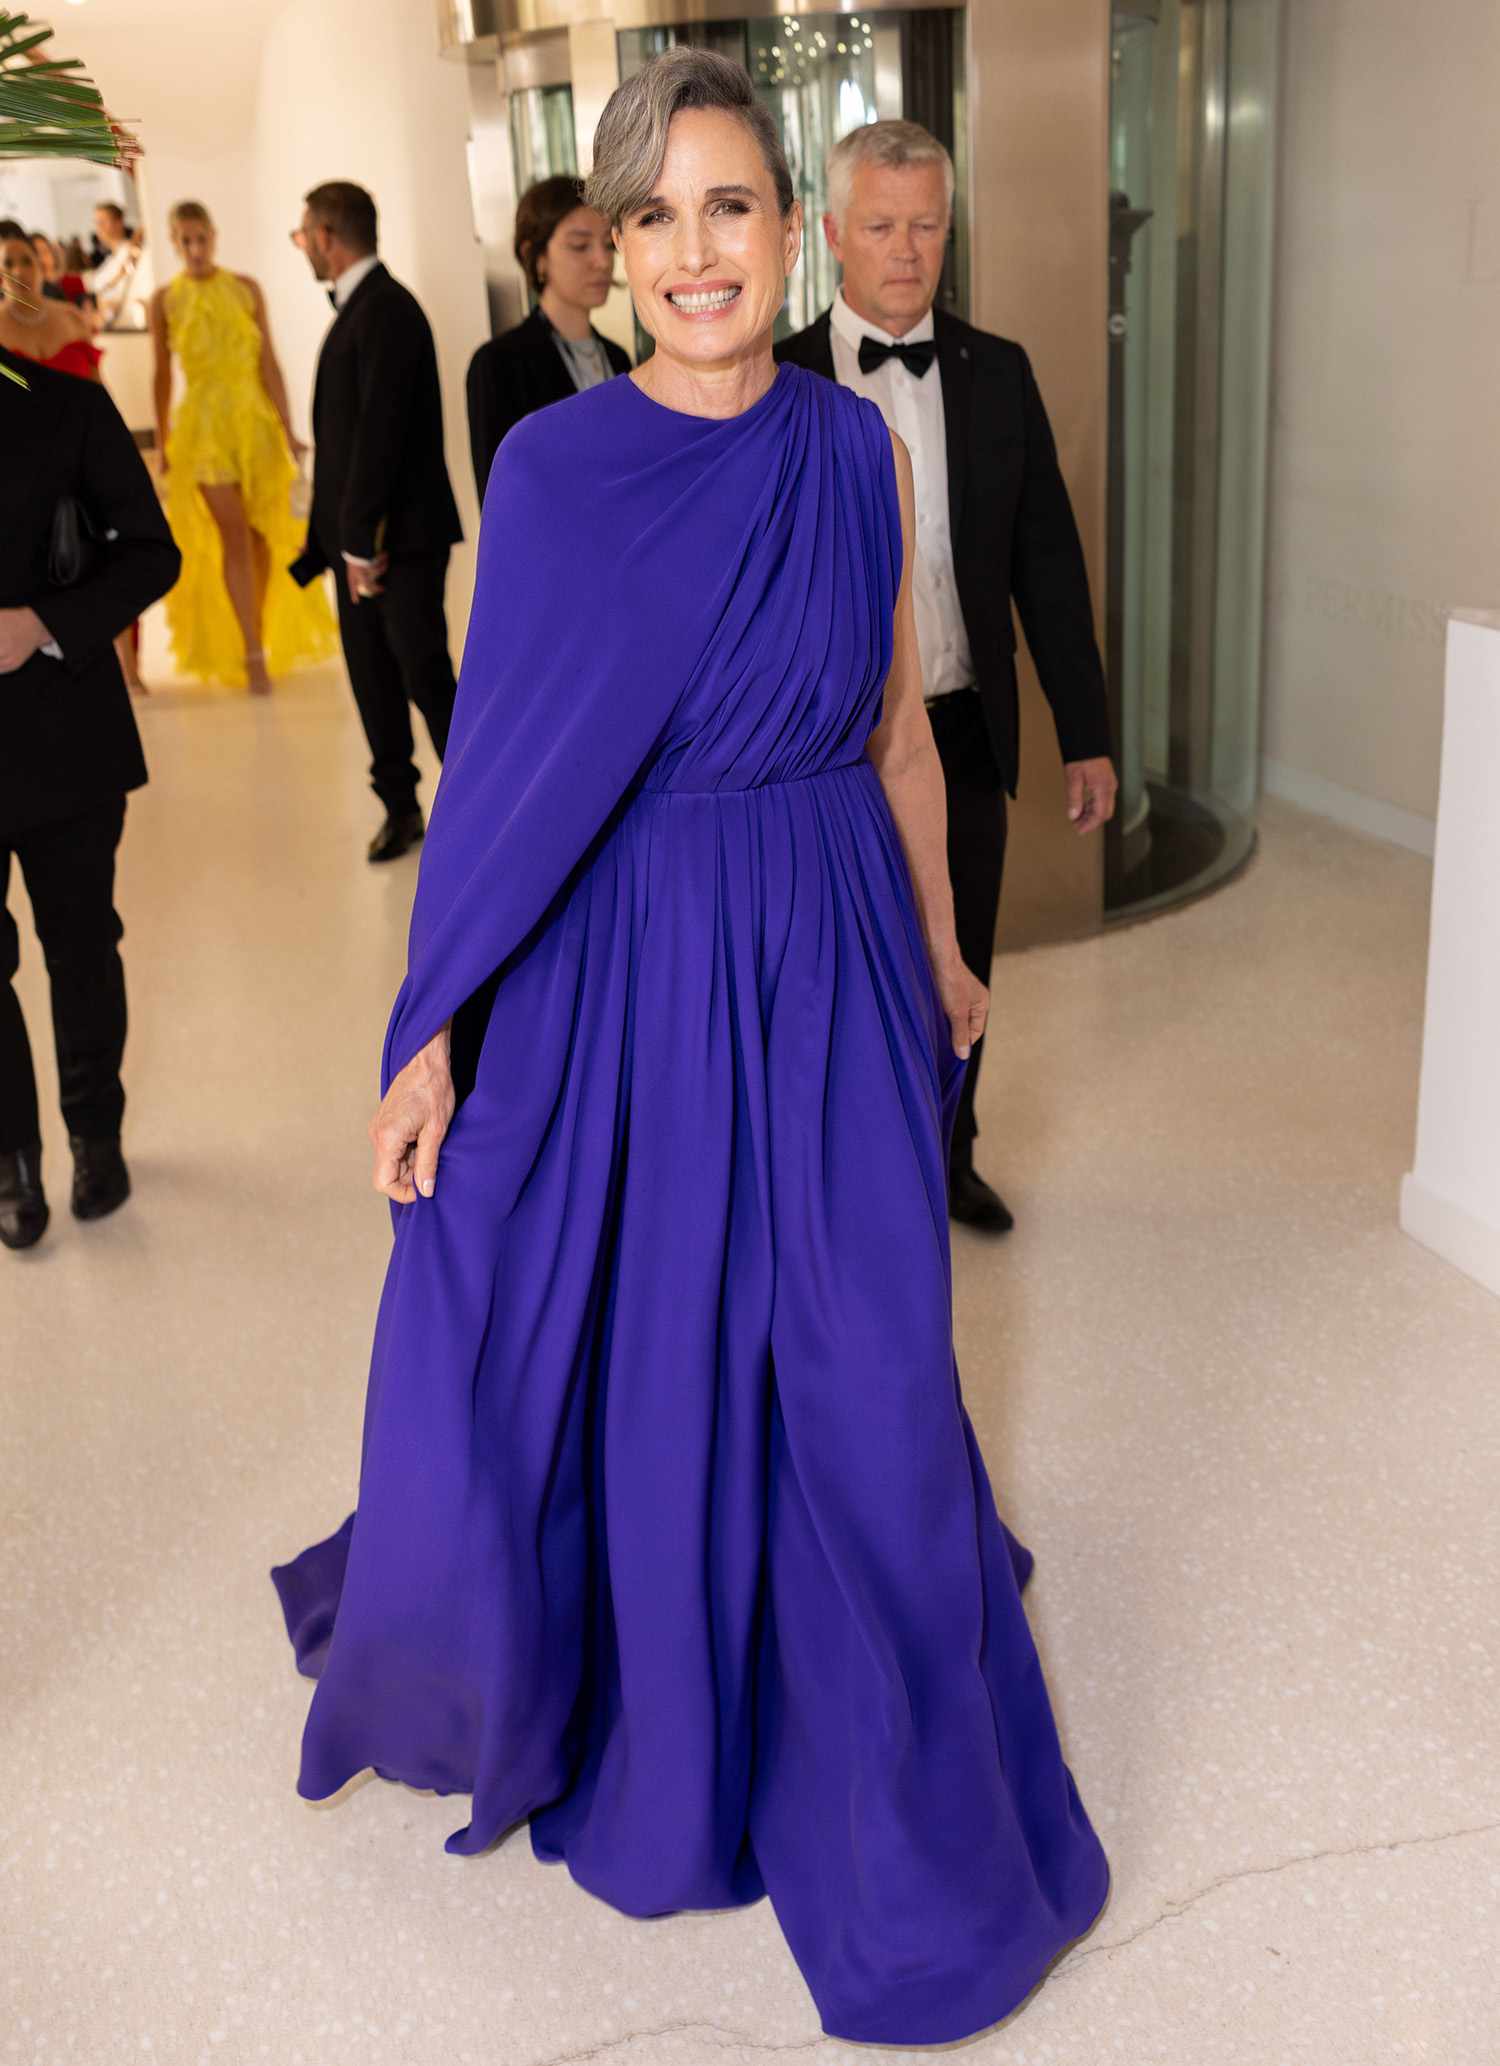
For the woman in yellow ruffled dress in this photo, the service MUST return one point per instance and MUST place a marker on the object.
(230, 461)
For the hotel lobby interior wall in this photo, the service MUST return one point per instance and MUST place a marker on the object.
(1385, 486)
(187, 79)
(1037, 77)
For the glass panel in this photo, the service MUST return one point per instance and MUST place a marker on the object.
(1191, 178)
(817, 76)
(541, 133)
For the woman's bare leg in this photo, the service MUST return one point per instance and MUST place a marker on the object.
(227, 508)
(260, 566)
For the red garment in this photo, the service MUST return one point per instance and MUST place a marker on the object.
(77, 356)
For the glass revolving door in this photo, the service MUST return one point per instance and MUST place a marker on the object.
(541, 133)
(1191, 178)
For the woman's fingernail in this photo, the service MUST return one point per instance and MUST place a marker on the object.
(428, 1187)
(963, 1054)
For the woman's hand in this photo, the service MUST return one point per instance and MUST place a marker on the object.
(965, 1000)
(408, 1129)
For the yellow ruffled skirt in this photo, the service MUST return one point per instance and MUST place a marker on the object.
(227, 434)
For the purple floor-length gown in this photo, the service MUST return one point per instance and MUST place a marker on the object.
(672, 1530)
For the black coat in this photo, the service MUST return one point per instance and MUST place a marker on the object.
(1014, 537)
(380, 481)
(68, 731)
(514, 374)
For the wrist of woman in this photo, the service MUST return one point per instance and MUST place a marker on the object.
(435, 1055)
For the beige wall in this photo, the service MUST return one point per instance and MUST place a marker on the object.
(1385, 456)
(1038, 107)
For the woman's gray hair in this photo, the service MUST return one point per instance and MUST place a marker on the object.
(883, 143)
(630, 143)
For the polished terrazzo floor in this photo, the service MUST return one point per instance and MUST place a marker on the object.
(1249, 1430)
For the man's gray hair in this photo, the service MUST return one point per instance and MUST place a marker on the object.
(630, 143)
(883, 143)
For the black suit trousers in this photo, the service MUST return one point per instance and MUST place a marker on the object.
(396, 651)
(69, 867)
(976, 859)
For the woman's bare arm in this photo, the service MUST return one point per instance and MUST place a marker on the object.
(270, 367)
(161, 373)
(906, 760)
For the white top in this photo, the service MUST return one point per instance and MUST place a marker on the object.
(351, 276)
(109, 282)
(585, 358)
(913, 408)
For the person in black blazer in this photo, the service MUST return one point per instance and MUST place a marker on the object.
(383, 514)
(568, 257)
(70, 754)
(994, 526)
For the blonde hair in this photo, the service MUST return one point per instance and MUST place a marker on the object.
(630, 143)
(188, 211)
(883, 143)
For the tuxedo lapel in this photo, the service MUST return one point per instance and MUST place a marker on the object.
(956, 370)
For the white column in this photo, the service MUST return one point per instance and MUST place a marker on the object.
(1451, 1200)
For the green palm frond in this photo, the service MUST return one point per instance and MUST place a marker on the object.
(48, 109)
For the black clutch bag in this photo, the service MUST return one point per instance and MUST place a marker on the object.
(75, 545)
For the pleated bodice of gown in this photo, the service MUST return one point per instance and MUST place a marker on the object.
(672, 1532)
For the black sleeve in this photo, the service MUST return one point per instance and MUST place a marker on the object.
(397, 360)
(135, 567)
(1051, 586)
(496, 405)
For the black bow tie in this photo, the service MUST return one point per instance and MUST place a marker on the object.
(916, 358)
(333, 296)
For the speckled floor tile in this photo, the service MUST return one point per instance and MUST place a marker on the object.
(1250, 1431)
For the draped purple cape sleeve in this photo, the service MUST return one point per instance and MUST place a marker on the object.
(566, 686)
(673, 1537)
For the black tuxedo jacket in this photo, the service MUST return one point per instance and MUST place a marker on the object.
(1013, 536)
(67, 733)
(380, 481)
(512, 375)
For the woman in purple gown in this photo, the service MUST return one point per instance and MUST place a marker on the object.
(672, 1534)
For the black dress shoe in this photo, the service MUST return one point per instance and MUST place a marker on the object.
(397, 836)
(100, 1179)
(23, 1208)
(974, 1203)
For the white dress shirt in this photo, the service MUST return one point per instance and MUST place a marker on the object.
(913, 408)
(351, 276)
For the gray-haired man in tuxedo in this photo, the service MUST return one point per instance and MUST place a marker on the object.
(994, 525)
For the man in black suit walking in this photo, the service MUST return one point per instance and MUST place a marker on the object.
(994, 525)
(383, 514)
(70, 753)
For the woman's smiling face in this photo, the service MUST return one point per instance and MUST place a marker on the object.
(708, 253)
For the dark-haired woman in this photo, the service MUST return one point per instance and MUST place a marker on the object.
(564, 248)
